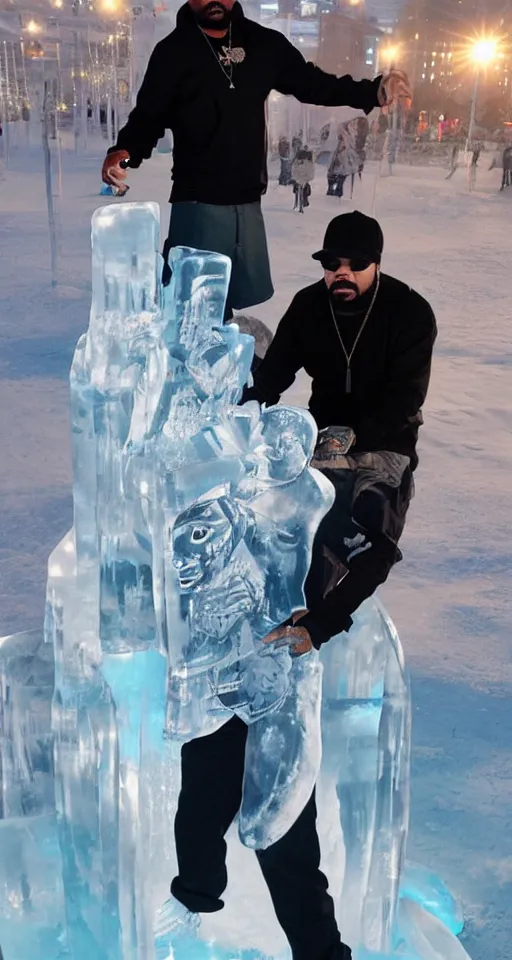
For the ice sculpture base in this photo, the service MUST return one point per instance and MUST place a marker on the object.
(32, 903)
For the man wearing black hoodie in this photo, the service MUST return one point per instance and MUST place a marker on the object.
(208, 82)
(366, 341)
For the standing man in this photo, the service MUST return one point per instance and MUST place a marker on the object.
(208, 82)
(366, 341)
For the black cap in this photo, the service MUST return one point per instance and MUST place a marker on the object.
(353, 235)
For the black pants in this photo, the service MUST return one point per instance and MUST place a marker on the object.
(372, 499)
(211, 793)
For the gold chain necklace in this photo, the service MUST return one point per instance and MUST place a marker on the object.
(348, 356)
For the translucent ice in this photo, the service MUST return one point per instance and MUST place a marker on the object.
(427, 889)
(32, 920)
(193, 527)
(426, 934)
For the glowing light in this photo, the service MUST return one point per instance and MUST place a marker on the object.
(484, 50)
(57, 3)
(388, 55)
(110, 6)
(33, 27)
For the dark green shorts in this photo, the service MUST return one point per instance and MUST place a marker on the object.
(236, 231)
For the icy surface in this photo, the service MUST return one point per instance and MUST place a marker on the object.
(454, 582)
(190, 511)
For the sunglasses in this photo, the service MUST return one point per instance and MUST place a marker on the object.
(355, 264)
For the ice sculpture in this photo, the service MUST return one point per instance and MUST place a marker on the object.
(193, 527)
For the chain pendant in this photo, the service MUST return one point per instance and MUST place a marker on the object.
(348, 381)
(231, 86)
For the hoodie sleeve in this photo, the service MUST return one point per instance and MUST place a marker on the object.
(147, 121)
(282, 361)
(332, 614)
(309, 84)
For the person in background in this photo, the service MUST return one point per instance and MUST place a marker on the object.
(303, 172)
(208, 82)
(285, 157)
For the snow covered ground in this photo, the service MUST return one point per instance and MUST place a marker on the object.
(451, 596)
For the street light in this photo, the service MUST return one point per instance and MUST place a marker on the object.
(481, 53)
(387, 58)
(110, 6)
(33, 27)
(389, 55)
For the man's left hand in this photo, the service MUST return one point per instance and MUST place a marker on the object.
(395, 88)
(294, 636)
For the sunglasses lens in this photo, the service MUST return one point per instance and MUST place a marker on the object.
(331, 263)
(357, 264)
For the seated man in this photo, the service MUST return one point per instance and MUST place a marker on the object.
(366, 340)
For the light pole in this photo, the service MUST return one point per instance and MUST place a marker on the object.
(482, 52)
(387, 61)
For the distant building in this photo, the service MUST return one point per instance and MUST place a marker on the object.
(335, 34)
(384, 13)
(347, 45)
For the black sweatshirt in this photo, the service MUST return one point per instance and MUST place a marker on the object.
(390, 366)
(390, 375)
(219, 152)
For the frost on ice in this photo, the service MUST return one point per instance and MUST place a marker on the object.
(193, 528)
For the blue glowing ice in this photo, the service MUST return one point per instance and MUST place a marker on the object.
(193, 527)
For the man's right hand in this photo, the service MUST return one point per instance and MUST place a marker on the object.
(112, 173)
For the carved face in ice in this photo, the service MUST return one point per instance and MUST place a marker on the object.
(203, 539)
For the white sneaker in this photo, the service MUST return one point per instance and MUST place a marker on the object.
(173, 922)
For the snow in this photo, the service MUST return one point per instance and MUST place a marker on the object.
(450, 597)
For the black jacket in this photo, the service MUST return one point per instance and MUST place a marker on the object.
(219, 152)
(390, 366)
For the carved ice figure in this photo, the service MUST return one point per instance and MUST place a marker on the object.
(193, 528)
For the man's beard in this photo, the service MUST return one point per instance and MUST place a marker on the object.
(216, 22)
(341, 291)
(342, 305)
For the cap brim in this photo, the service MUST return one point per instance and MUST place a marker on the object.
(346, 254)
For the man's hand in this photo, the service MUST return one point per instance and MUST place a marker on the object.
(332, 446)
(112, 173)
(395, 88)
(294, 636)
